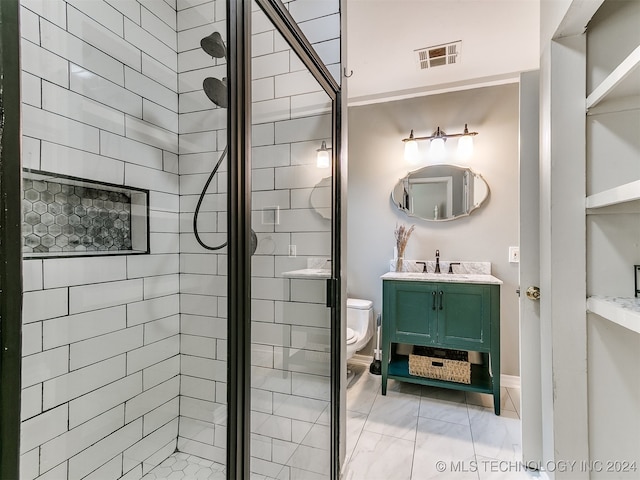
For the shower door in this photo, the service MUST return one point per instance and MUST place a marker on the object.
(292, 292)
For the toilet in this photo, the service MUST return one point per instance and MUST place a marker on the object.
(359, 324)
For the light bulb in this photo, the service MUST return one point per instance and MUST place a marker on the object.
(323, 159)
(411, 154)
(465, 147)
(437, 148)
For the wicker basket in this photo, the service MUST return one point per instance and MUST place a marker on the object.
(440, 364)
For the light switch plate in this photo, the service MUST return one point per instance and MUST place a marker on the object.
(514, 254)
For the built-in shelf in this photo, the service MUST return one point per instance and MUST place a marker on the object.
(628, 192)
(308, 273)
(67, 216)
(481, 380)
(621, 310)
(622, 82)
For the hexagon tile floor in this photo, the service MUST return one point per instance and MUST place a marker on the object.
(182, 466)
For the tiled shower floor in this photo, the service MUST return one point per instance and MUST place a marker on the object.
(182, 466)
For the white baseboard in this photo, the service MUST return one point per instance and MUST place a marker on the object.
(361, 359)
(510, 381)
(543, 476)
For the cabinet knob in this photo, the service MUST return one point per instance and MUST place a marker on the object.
(533, 293)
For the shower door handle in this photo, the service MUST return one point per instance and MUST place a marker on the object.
(332, 284)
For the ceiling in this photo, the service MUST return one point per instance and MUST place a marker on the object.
(500, 39)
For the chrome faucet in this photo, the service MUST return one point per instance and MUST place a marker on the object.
(437, 270)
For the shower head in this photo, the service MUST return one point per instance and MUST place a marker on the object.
(216, 90)
(214, 45)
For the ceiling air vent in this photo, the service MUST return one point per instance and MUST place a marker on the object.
(438, 55)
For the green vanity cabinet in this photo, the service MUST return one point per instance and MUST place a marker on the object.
(411, 308)
(453, 315)
(464, 320)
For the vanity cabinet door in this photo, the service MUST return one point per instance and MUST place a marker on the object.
(464, 316)
(413, 308)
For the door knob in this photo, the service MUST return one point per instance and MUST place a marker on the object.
(533, 293)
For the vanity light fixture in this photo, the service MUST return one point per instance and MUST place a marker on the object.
(323, 158)
(438, 139)
(411, 150)
(465, 144)
(436, 149)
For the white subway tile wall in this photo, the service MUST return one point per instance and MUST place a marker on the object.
(101, 339)
(125, 357)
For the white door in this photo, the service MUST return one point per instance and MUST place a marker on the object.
(530, 371)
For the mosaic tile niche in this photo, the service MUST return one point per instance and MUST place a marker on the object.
(64, 216)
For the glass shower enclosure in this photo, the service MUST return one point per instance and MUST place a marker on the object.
(291, 208)
(177, 240)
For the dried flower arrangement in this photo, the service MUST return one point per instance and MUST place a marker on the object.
(402, 234)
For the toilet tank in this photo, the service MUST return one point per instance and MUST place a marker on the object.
(359, 314)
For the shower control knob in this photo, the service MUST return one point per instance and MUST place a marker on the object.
(533, 293)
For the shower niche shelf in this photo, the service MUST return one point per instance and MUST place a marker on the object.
(65, 216)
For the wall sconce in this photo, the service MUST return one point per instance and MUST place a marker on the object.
(411, 150)
(323, 158)
(438, 139)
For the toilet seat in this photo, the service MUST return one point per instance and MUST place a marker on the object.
(352, 337)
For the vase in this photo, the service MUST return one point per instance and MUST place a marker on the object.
(399, 264)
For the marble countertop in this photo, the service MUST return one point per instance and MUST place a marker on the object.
(308, 273)
(624, 311)
(443, 277)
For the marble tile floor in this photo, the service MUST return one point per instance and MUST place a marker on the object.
(423, 433)
(412, 433)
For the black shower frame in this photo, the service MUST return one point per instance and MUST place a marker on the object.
(10, 242)
(239, 227)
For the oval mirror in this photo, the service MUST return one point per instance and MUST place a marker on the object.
(440, 192)
(320, 198)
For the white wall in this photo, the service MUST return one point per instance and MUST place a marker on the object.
(551, 14)
(100, 372)
(376, 163)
